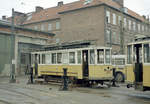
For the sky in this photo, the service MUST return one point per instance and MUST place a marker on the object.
(140, 6)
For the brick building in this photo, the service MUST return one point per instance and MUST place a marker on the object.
(107, 22)
(26, 40)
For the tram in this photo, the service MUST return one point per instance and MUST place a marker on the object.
(118, 62)
(138, 65)
(92, 64)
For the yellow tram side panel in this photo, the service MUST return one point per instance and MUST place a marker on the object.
(57, 70)
(100, 72)
(130, 74)
(146, 75)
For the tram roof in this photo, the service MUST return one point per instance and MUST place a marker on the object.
(75, 49)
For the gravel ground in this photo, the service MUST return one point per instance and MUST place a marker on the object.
(22, 93)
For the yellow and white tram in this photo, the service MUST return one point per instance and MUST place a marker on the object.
(138, 65)
(90, 64)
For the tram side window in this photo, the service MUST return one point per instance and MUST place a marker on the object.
(92, 57)
(43, 58)
(146, 53)
(79, 57)
(72, 57)
(48, 58)
(53, 58)
(129, 54)
(39, 58)
(100, 56)
(107, 56)
(59, 58)
(65, 58)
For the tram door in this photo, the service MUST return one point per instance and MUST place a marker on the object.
(85, 65)
(138, 63)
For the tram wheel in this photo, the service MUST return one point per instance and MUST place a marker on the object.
(119, 77)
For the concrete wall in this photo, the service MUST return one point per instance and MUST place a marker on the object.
(5, 51)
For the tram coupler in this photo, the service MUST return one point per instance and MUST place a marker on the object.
(65, 80)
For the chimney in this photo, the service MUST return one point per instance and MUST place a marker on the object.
(16, 13)
(3, 17)
(60, 3)
(120, 2)
(38, 9)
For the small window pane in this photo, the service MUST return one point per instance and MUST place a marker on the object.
(79, 57)
(72, 57)
(43, 58)
(48, 58)
(65, 58)
(53, 58)
(57, 25)
(59, 58)
(129, 54)
(100, 56)
(92, 57)
(146, 53)
(108, 58)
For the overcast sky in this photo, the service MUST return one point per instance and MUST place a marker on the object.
(140, 6)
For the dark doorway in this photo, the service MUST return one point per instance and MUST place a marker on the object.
(138, 63)
(85, 62)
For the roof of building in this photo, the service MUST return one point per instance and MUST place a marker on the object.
(8, 25)
(53, 12)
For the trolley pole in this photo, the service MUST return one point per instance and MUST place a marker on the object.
(12, 56)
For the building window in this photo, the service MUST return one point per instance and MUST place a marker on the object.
(108, 16)
(49, 27)
(114, 18)
(139, 27)
(42, 27)
(119, 20)
(57, 25)
(36, 27)
(134, 26)
(114, 37)
(125, 22)
(143, 28)
(108, 36)
(129, 24)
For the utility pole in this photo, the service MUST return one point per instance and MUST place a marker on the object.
(121, 37)
(12, 60)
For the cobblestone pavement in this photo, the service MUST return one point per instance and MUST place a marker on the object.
(21, 93)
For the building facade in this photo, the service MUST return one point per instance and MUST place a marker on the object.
(25, 41)
(107, 22)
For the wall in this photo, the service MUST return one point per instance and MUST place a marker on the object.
(5, 51)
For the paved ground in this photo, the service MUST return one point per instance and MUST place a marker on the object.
(21, 93)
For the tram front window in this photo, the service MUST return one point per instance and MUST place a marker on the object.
(59, 58)
(53, 58)
(129, 53)
(107, 56)
(72, 57)
(100, 56)
(92, 57)
(146, 53)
